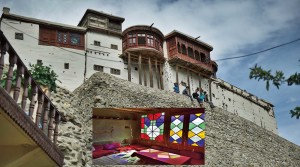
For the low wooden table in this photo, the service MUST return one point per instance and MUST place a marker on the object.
(152, 156)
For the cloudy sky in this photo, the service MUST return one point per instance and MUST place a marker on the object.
(233, 28)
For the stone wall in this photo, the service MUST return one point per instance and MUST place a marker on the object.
(231, 140)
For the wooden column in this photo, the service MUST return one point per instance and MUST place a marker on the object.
(33, 101)
(177, 79)
(27, 80)
(185, 130)
(188, 80)
(140, 70)
(20, 71)
(39, 109)
(161, 77)
(157, 74)
(145, 76)
(57, 118)
(45, 118)
(12, 62)
(51, 121)
(129, 67)
(150, 72)
(3, 51)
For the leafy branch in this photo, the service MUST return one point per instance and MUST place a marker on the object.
(277, 80)
(43, 75)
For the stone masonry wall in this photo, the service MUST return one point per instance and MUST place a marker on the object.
(230, 140)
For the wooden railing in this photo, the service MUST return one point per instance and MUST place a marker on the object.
(47, 117)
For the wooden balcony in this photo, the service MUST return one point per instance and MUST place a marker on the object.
(29, 119)
(144, 40)
(190, 63)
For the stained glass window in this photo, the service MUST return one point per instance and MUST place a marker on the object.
(196, 133)
(176, 128)
(152, 126)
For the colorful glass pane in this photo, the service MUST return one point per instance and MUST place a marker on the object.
(152, 126)
(196, 133)
(176, 127)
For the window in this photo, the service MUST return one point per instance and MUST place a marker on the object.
(39, 62)
(190, 52)
(97, 43)
(152, 126)
(150, 40)
(115, 71)
(178, 48)
(66, 65)
(141, 39)
(112, 46)
(132, 39)
(183, 49)
(61, 38)
(98, 68)
(19, 36)
(75, 39)
(197, 56)
(196, 133)
(203, 57)
(176, 128)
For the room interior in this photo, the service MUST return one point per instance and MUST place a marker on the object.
(143, 136)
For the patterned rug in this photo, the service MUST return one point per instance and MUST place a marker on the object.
(123, 158)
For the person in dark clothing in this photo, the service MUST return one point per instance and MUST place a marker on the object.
(176, 87)
(196, 95)
(187, 92)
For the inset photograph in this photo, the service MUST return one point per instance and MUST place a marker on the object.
(148, 136)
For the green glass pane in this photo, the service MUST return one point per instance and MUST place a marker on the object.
(191, 126)
(180, 126)
(202, 126)
(172, 126)
(161, 131)
(161, 126)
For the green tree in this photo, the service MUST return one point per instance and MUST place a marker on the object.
(42, 74)
(277, 80)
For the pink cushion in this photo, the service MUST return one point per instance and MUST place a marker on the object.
(194, 155)
(111, 146)
(117, 144)
(98, 147)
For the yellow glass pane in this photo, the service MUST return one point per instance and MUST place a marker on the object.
(191, 134)
(199, 114)
(195, 144)
(171, 133)
(202, 134)
(179, 133)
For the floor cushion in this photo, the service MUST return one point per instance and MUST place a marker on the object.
(111, 146)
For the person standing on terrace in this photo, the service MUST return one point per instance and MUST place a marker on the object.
(186, 92)
(176, 87)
